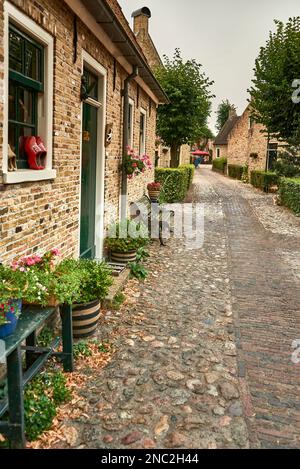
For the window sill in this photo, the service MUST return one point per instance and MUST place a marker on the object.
(28, 175)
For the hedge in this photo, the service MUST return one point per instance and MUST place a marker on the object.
(290, 193)
(219, 164)
(264, 179)
(175, 181)
(191, 172)
(235, 171)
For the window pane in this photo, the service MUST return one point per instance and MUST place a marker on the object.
(12, 139)
(15, 51)
(12, 102)
(25, 106)
(92, 83)
(32, 62)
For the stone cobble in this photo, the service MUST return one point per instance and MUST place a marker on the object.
(203, 346)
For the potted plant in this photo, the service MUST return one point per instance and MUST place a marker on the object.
(47, 285)
(95, 280)
(12, 287)
(125, 238)
(154, 189)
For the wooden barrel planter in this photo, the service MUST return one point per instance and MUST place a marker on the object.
(123, 257)
(85, 318)
(153, 194)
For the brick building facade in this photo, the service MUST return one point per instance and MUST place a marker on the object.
(141, 19)
(244, 142)
(40, 210)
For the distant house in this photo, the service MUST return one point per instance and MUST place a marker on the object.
(248, 143)
(220, 146)
(244, 141)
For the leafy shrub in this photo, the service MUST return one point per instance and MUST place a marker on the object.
(82, 349)
(138, 271)
(45, 337)
(288, 163)
(290, 193)
(245, 175)
(190, 168)
(118, 301)
(220, 164)
(175, 182)
(41, 397)
(264, 179)
(126, 236)
(95, 278)
(235, 171)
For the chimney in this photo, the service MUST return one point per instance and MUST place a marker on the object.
(141, 21)
(232, 113)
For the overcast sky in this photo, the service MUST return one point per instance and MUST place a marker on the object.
(223, 35)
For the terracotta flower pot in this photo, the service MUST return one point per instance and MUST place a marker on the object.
(52, 302)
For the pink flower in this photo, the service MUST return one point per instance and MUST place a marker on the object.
(22, 269)
(55, 252)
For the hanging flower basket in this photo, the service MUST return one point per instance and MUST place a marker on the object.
(136, 164)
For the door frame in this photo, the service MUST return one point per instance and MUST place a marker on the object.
(89, 62)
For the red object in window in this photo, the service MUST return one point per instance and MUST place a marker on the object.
(43, 155)
(33, 152)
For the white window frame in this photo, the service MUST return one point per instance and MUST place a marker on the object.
(144, 113)
(45, 104)
(90, 63)
(218, 152)
(130, 137)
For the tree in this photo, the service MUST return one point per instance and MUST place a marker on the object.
(274, 97)
(190, 101)
(204, 134)
(223, 113)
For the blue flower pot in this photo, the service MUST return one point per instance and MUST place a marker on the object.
(10, 327)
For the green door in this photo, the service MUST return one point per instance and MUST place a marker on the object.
(88, 182)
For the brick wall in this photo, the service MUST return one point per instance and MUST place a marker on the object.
(243, 141)
(141, 30)
(42, 215)
(223, 151)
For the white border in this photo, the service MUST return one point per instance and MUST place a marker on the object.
(45, 121)
(98, 69)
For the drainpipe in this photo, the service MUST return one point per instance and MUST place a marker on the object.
(125, 94)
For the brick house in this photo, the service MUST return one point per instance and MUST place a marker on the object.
(220, 145)
(46, 48)
(243, 141)
(141, 19)
(248, 144)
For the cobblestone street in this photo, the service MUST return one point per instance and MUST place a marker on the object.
(204, 346)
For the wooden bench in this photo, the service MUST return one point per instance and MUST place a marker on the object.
(157, 220)
(30, 321)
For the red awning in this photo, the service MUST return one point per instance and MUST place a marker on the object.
(200, 153)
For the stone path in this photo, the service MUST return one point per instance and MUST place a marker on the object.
(204, 347)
